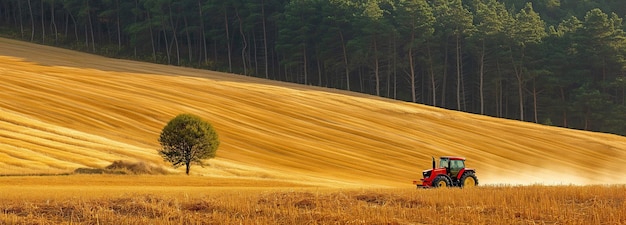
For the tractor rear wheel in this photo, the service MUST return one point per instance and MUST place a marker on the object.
(468, 180)
(441, 181)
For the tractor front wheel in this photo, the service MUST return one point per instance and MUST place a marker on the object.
(468, 180)
(441, 181)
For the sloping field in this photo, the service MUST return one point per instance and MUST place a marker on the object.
(61, 110)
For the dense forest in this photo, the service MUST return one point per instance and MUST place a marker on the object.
(555, 62)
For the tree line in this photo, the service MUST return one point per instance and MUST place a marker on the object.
(555, 62)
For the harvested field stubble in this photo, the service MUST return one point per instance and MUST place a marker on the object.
(483, 205)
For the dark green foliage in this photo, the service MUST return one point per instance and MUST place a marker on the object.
(531, 60)
(186, 140)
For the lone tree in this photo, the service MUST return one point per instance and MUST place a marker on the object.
(188, 139)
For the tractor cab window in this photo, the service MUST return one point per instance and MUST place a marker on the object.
(455, 167)
(444, 163)
(457, 164)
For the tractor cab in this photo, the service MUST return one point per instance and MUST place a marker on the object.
(451, 172)
(453, 165)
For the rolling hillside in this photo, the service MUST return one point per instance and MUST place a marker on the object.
(61, 110)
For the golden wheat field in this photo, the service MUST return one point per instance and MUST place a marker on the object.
(290, 154)
(482, 205)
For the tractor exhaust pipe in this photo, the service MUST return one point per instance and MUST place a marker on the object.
(433, 162)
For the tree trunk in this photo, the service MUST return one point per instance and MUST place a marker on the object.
(19, 8)
(255, 53)
(43, 25)
(388, 72)
(187, 165)
(481, 85)
(520, 79)
(345, 60)
(412, 74)
(564, 108)
(445, 76)
(423, 86)
(215, 50)
(395, 67)
(151, 37)
(305, 63)
(54, 24)
(587, 119)
(206, 54)
(244, 43)
(119, 29)
(32, 22)
(319, 72)
(189, 48)
(433, 82)
(497, 98)
(458, 73)
(376, 72)
(265, 40)
(361, 80)
(86, 37)
(499, 88)
(175, 34)
(412, 68)
(521, 97)
(230, 59)
(167, 45)
(623, 96)
(67, 24)
(93, 38)
(535, 101)
(75, 27)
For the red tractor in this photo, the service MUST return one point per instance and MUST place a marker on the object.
(451, 173)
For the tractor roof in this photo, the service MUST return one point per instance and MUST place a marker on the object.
(452, 158)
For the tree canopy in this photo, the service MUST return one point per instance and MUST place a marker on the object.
(187, 140)
(551, 61)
